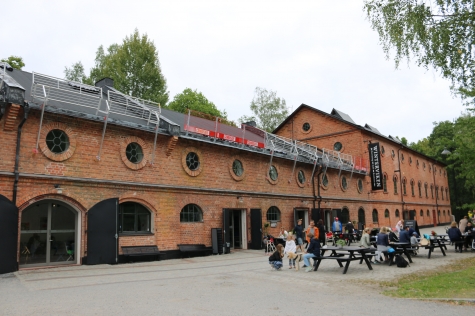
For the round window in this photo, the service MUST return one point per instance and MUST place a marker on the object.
(306, 127)
(344, 183)
(134, 153)
(337, 146)
(273, 173)
(301, 177)
(382, 150)
(238, 168)
(57, 141)
(193, 161)
(360, 185)
(325, 180)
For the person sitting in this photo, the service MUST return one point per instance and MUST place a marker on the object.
(404, 235)
(412, 231)
(275, 259)
(414, 242)
(365, 241)
(283, 233)
(290, 250)
(313, 251)
(382, 243)
(455, 236)
(469, 234)
(392, 235)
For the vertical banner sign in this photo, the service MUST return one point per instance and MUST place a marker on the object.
(375, 167)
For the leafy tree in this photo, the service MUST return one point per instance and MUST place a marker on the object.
(199, 104)
(133, 65)
(76, 73)
(459, 138)
(434, 33)
(269, 110)
(14, 61)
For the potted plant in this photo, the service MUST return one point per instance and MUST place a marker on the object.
(340, 243)
(433, 234)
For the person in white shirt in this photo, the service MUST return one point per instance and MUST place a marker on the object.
(290, 248)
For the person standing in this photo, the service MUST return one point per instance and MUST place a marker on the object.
(298, 231)
(399, 226)
(312, 252)
(290, 249)
(350, 229)
(312, 230)
(336, 226)
(321, 232)
(463, 223)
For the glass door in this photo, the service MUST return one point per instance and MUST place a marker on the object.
(48, 232)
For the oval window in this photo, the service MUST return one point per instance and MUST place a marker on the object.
(238, 168)
(134, 152)
(273, 173)
(337, 146)
(192, 161)
(344, 183)
(57, 141)
(306, 127)
(301, 177)
(360, 185)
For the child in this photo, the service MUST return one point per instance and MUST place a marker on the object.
(290, 250)
(275, 260)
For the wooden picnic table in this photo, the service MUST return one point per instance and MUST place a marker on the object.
(404, 246)
(349, 254)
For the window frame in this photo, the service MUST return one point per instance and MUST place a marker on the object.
(196, 210)
(137, 212)
(273, 211)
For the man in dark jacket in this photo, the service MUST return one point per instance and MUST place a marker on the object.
(298, 231)
(455, 235)
(404, 235)
(312, 251)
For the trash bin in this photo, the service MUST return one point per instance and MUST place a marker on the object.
(227, 247)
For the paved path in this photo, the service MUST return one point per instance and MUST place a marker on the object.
(237, 284)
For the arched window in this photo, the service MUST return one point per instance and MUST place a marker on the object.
(273, 214)
(133, 218)
(386, 213)
(375, 216)
(448, 212)
(404, 181)
(432, 190)
(447, 193)
(361, 216)
(443, 212)
(191, 213)
(428, 213)
(412, 188)
(395, 184)
(385, 185)
(437, 192)
(421, 213)
(345, 215)
(425, 188)
(442, 192)
(419, 184)
(397, 213)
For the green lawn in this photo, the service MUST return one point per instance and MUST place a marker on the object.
(452, 281)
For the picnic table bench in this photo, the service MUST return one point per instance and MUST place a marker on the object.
(438, 242)
(344, 254)
(194, 249)
(140, 251)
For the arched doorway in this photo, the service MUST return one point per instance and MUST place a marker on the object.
(49, 234)
(361, 218)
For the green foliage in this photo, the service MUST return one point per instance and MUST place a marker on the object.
(459, 138)
(434, 33)
(14, 61)
(133, 65)
(76, 73)
(269, 110)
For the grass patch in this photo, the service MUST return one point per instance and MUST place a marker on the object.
(456, 280)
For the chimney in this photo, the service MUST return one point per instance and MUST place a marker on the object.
(105, 82)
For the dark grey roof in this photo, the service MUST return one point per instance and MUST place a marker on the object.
(373, 129)
(342, 116)
(397, 140)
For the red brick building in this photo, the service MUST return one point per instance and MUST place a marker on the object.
(88, 170)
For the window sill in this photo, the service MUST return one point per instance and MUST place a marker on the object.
(124, 234)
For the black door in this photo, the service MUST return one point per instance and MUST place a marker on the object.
(227, 230)
(256, 229)
(8, 235)
(361, 217)
(102, 238)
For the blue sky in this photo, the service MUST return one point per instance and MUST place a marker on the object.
(321, 53)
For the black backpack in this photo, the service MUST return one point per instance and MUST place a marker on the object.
(401, 262)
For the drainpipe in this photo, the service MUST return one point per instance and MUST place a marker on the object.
(317, 197)
(26, 109)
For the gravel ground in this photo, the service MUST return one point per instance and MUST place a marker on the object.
(238, 284)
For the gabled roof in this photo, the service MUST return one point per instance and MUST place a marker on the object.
(345, 118)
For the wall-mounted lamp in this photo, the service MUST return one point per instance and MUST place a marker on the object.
(240, 199)
(58, 188)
